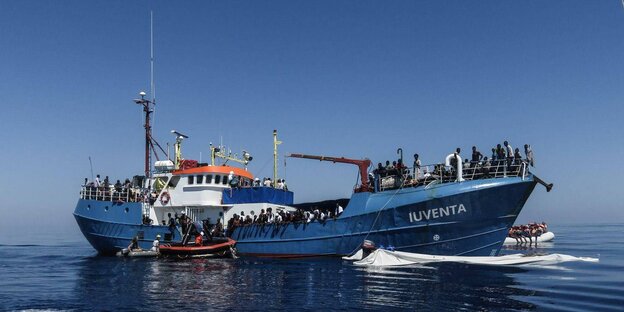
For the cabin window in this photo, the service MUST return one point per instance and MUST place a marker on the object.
(209, 179)
(200, 179)
(225, 179)
(190, 180)
(217, 179)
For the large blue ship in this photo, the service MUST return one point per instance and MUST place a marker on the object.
(445, 209)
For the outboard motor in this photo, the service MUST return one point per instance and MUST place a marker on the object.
(367, 248)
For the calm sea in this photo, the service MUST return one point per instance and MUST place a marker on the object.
(70, 276)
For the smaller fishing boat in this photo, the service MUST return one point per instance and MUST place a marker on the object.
(217, 247)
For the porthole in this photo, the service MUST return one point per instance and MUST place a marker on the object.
(126, 209)
(88, 207)
(106, 208)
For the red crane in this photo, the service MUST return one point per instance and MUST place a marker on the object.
(362, 164)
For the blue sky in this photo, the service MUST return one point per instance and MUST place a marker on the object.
(340, 78)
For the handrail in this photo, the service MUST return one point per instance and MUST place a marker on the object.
(112, 195)
(425, 174)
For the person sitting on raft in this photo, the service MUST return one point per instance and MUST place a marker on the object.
(134, 244)
(156, 244)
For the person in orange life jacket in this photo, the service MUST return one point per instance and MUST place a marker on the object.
(199, 239)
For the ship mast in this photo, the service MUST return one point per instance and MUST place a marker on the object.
(275, 144)
(147, 109)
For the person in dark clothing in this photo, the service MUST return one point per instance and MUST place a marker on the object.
(500, 152)
(118, 187)
(172, 225)
(134, 244)
(476, 156)
(381, 170)
(400, 166)
(183, 223)
(388, 166)
(218, 229)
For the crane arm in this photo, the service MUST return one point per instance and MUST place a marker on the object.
(362, 164)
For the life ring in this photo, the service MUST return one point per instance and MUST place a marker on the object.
(165, 198)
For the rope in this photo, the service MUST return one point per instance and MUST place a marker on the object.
(378, 213)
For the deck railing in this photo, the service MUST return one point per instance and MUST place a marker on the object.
(439, 173)
(112, 195)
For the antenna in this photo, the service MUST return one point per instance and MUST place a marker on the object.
(152, 88)
(91, 164)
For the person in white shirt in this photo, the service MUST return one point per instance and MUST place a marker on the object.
(156, 243)
(339, 210)
(509, 153)
(97, 181)
(267, 182)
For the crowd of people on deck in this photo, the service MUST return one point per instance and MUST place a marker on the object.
(525, 232)
(267, 182)
(503, 160)
(282, 217)
(103, 190)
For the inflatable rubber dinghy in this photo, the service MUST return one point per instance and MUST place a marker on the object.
(382, 257)
(217, 247)
(546, 237)
(138, 253)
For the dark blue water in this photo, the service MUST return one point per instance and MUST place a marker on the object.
(71, 277)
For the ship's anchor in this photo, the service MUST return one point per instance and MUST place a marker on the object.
(548, 186)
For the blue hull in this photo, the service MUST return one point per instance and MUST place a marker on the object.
(110, 226)
(468, 218)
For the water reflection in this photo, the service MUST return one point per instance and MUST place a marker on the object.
(444, 286)
(252, 284)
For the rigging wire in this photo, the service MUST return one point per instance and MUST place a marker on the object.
(379, 213)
